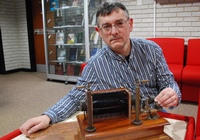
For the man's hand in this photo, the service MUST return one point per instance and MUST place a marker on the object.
(34, 124)
(167, 98)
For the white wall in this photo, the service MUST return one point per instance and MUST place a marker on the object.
(173, 18)
(14, 34)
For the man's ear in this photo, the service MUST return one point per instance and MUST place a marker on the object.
(131, 24)
(98, 30)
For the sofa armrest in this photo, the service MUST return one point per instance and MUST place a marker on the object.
(198, 120)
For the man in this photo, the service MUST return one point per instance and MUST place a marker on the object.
(121, 63)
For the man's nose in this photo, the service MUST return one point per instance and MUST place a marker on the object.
(114, 29)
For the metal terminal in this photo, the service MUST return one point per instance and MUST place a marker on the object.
(137, 120)
(79, 87)
(147, 110)
(90, 127)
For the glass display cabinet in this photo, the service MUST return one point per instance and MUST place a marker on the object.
(69, 36)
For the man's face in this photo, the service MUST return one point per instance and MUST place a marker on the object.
(115, 30)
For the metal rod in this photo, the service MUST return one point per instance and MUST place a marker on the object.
(137, 120)
(90, 127)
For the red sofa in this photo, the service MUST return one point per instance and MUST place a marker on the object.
(198, 122)
(173, 50)
(191, 72)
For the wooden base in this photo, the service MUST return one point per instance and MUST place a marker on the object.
(114, 129)
(122, 128)
(58, 131)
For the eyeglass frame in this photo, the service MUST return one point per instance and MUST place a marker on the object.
(114, 25)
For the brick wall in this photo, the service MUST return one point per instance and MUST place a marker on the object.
(173, 18)
(14, 34)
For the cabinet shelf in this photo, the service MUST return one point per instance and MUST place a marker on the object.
(67, 61)
(78, 9)
(71, 26)
(68, 45)
(68, 26)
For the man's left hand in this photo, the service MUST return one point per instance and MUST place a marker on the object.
(167, 98)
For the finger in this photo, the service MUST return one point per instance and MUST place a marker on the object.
(34, 129)
(167, 97)
(170, 104)
(161, 94)
(163, 100)
(170, 98)
(37, 127)
(24, 131)
(25, 128)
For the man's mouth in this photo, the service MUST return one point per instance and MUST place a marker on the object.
(114, 39)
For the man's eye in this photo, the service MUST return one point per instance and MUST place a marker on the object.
(106, 26)
(119, 23)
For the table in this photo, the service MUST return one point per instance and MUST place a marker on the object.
(180, 128)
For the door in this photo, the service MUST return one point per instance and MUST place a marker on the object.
(38, 35)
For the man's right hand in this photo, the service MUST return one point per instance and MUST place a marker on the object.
(34, 124)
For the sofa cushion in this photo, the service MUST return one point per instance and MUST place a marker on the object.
(191, 74)
(177, 71)
(173, 49)
(197, 138)
(190, 92)
(193, 52)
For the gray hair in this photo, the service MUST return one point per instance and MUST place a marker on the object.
(106, 8)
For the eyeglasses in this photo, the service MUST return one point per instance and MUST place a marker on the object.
(107, 28)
